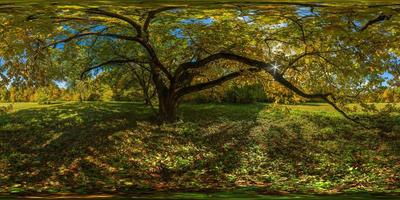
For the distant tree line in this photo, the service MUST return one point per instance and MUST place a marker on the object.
(231, 92)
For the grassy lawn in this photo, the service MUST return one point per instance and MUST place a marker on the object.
(29, 105)
(318, 107)
(225, 195)
(116, 147)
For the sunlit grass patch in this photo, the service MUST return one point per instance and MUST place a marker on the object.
(30, 105)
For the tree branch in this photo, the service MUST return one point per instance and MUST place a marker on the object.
(258, 65)
(380, 18)
(342, 112)
(200, 63)
(142, 40)
(210, 84)
(149, 47)
(301, 27)
(143, 43)
(134, 24)
(99, 34)
(110, 62)
(152, 14)
(66, 19)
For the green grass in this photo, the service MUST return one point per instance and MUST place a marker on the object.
(117, 147)
(318, 107)
(230, 196)
(29, 105)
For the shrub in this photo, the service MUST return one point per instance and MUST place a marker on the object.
(44, 101)
(250, 93)
(6, 109)
(107, 93)
(43, 96)
(246, 94)
(93, 97)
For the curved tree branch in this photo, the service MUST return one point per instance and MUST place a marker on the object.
(380, 18)
(251, 62)
(110, 62)
(66, 19)
(142, 39)
(134, 24)
(210, 84)
(259, 65)
(99, 34)
(142, 42)
(301, 27)
(152, 14)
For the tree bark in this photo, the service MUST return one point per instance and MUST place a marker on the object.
(168, 106)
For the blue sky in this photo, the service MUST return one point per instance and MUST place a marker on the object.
(387, 76)
(61, 84)
(305, 11)
(177, 32)
(205, 21)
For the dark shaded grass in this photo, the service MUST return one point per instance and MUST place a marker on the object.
(116, 147)
(227, 195)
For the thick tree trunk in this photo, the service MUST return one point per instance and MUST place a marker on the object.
(168, 106)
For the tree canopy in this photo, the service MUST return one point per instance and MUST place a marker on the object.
(338, 53)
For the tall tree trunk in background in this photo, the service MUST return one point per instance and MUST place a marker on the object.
(80, 96)
(146, 95)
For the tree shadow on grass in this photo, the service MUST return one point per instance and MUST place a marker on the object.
(203, 150)
(212, 112)
(89, 147)
(313, 141)
(114, 147)
(42, 145)
(206, 154)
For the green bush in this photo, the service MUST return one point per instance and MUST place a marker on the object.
(44, 101)
(43, 96)
(94, 97)
(246, 94)
(6, 109)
